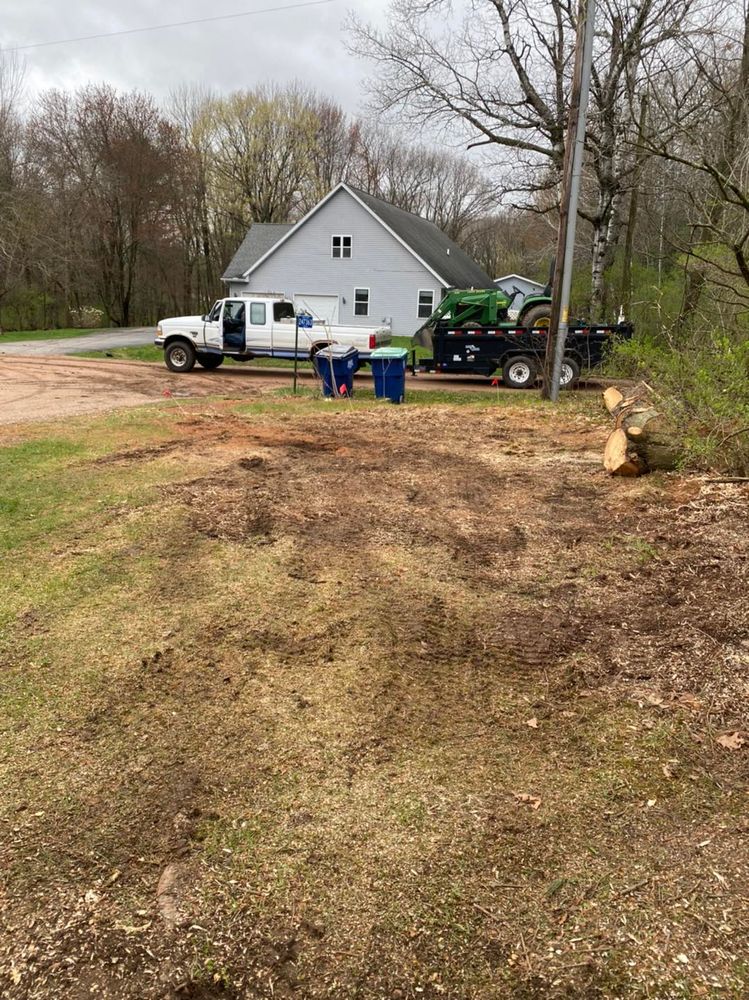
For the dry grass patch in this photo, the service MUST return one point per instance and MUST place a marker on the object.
(375, 703)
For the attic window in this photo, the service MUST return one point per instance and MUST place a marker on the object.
(341, 246)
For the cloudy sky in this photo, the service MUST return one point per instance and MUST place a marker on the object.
(305, 44)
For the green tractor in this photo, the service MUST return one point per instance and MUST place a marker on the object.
(487, 307)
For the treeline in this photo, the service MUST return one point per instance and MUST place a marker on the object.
(116, 210)
(667, 144)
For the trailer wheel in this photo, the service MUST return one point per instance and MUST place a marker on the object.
(569, 374)
(519, 372)
(210, 361)
(180, 356)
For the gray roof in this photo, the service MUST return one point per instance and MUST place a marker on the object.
(441, 254)
(456, 268)
(258, 241)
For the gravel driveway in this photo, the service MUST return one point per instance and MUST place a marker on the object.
(97, 340)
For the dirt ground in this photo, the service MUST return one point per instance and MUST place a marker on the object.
(379, 703)
(34, 389)
(53, 388)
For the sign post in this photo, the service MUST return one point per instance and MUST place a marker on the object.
(303, 322)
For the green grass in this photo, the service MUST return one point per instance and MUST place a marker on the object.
(151, 353)
(14, 336)
(146, 353)
(441, 397)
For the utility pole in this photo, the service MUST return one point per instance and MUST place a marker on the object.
(573, 165)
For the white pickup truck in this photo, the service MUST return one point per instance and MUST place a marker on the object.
(254, 326)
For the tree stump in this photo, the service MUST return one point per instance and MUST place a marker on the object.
(641, 440)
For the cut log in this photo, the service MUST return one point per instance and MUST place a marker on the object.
(642, 439)
(618, 459)
(611, 398)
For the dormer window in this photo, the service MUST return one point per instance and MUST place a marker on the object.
(341, 247)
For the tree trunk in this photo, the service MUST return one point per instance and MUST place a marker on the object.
(634, 198)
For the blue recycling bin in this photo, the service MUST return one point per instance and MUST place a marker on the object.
(335, 366)
(389, 371)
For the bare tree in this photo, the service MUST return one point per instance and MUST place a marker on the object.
(260, 142)
(332, 153)
(109, 158)
(197, 218)
(505, 75)
(440, 186)
(703, 129)
(13, 244)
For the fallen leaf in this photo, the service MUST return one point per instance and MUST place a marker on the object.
(732, 741)
(651, 803)
(653, 698)
(533, 723)
(15, 975)
(682, 958)
(668, 771)
(530, 800)
(689, 701)
(132, 928)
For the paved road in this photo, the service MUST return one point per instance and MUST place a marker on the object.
(97, 340)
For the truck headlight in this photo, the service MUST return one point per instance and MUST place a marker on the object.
(158, 330)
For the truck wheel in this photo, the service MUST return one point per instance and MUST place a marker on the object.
(539, 315)
(180, 356)
(569, 374)
(210, 361)
(519, 372)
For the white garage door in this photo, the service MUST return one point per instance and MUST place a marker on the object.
(323, 307)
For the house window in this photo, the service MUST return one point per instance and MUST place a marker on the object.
(257, 313)
(341, 246)
(426, 303)
(361, 302)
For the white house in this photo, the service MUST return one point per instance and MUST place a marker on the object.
(355, 259)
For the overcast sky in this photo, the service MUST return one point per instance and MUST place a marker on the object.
(304, 44)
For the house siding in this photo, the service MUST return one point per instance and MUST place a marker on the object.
(304, 265)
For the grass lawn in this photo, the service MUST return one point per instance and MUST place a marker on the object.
(151, 353)
(13, 336)
(298, 700)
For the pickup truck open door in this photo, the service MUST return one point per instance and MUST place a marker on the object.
(224, 326)
(212, 327)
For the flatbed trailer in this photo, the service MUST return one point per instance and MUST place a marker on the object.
(518, 353)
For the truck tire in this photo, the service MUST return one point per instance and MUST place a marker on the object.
(180, 356)
(569, 374)
(539, 315)
(210, 361)
(519, 372)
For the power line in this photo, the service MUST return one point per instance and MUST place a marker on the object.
(173, 24)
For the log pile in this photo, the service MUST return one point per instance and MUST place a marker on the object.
(640, 441)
